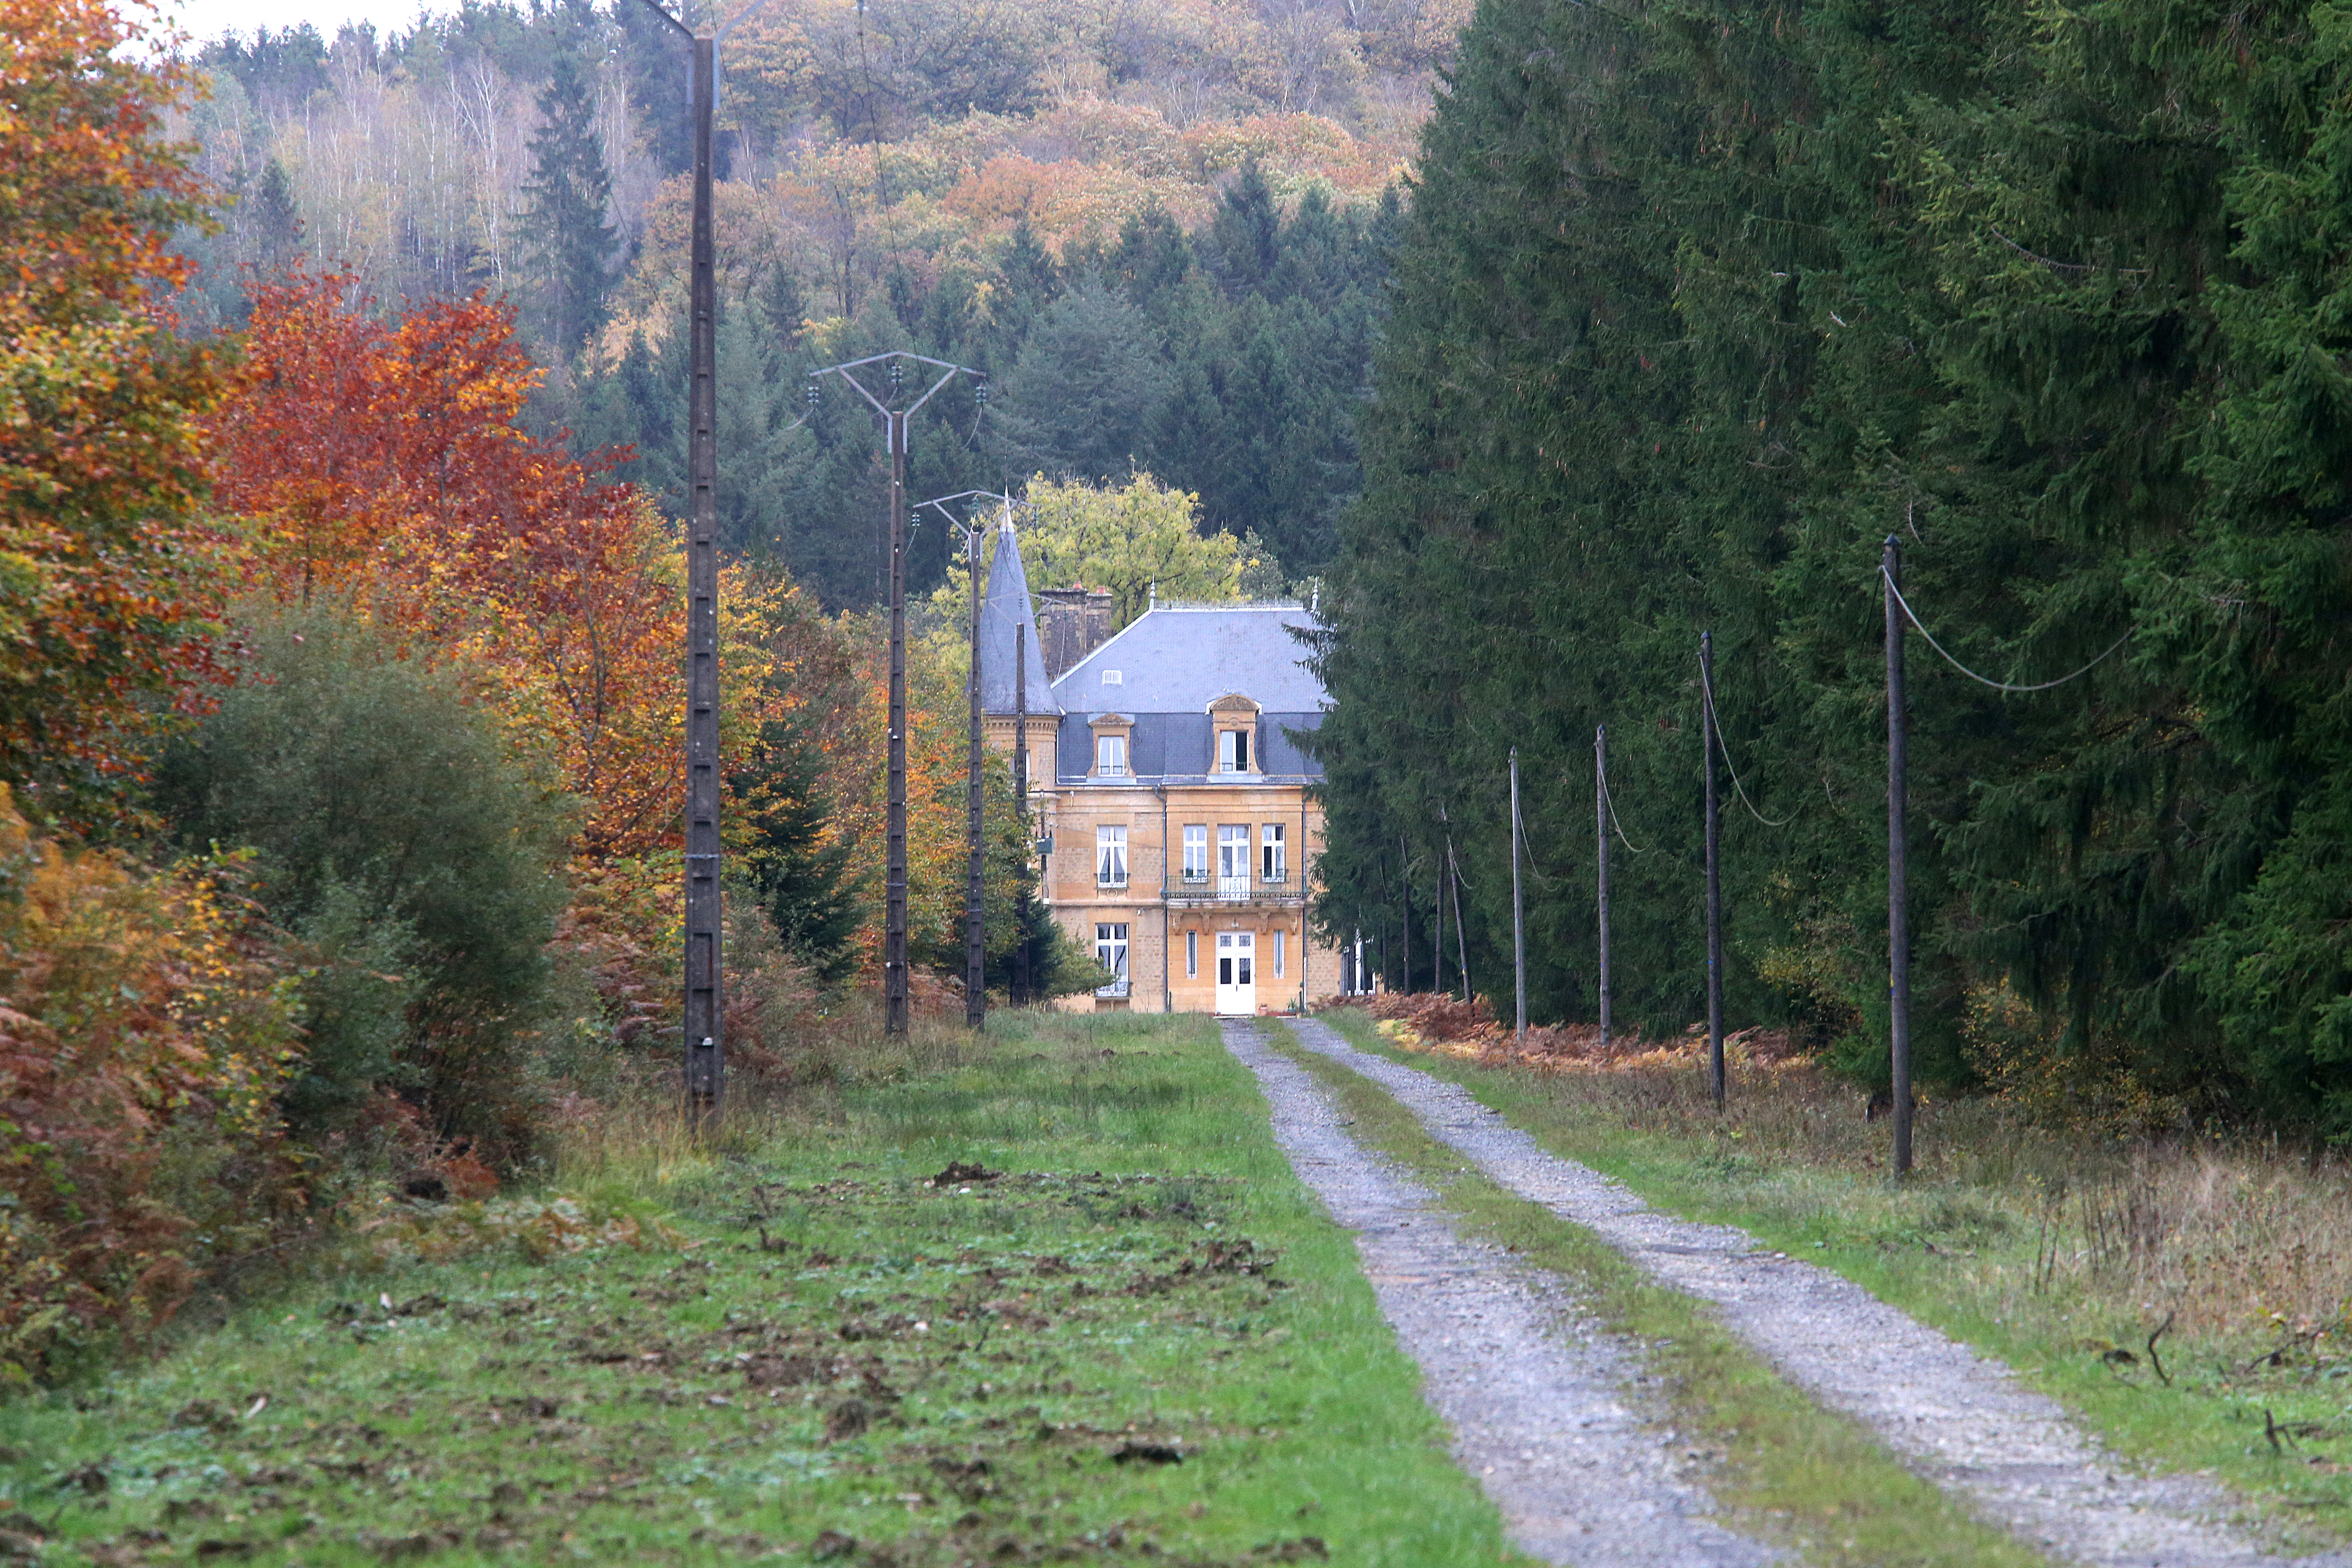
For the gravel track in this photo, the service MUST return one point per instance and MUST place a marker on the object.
(1958, 1418)
(1540, 1400)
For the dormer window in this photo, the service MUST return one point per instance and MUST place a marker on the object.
(1114, 678)
(1111, 732)
(1233, 719)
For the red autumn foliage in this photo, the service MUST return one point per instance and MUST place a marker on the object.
(384, 467)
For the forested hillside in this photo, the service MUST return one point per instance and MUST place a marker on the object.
(1696, 307)
(1160, 227)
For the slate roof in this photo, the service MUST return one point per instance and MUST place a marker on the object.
(1178, 658)
(1181, 748)
(1005, 609)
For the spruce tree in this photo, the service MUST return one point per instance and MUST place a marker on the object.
(570, 240)
(278, 220)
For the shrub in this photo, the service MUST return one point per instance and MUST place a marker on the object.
(412, 849)
(145, 1033)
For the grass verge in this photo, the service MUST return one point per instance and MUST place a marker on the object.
(1782, 1468)
(2060, 1260)
(1118, 1330)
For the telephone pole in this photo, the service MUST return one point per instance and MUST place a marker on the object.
(706, 1076)
(1709, 739)
(894, 420)
(1600, 860)
(1898, 863)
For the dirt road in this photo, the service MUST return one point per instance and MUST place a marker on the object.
(1955, 1417)
(1545, 1407)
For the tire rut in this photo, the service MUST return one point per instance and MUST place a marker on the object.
(1541, 1401)
(1959, 1419)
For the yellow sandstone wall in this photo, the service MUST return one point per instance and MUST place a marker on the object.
(1156, 939)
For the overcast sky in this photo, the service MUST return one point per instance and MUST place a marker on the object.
(209, 19)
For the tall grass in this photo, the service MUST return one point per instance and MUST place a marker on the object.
(637, 1139)
(2238, 1241)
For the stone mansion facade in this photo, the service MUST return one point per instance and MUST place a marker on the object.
(1171, 799)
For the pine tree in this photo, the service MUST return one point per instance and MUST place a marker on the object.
(571, 242)
(277, 221)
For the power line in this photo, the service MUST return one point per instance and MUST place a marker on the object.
(1913, 616)
(1715, 716)
(1609, 798)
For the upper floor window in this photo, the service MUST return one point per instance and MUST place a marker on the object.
(1273, 864)
(1233, 854)
(1114, 678)
(1232, 750)
(1110, 857)
(1110, 755)
(1196, 852)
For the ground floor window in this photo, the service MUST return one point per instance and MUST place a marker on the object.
(1278, 969)
(1110, 951)
(1192, 955)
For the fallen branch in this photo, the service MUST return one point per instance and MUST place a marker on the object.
(2153, 1359)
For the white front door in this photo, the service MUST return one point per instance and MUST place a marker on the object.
(1236, 979)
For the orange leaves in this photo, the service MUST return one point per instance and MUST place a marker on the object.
(142, 1022)
(383, 467)
(104, 584)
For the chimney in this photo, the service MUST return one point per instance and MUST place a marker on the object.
(1071, 624)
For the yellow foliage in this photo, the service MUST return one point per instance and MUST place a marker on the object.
(145, 1031)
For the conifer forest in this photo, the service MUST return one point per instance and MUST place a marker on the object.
(344, 566)
(1695, 308)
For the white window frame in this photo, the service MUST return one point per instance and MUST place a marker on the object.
(1233, 854)
(1110, 953)
(1192, 955)
(1278, 953)
(1196, 851)
(1110, 856)
(1232, 750)
(1110, 756)
(1274, 855)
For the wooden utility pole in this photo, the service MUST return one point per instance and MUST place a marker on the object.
(1601, 848)
(706, 1074)
(1708, 739)
(1460, 938)
(1404, 906)
(1518, 908)
(1898, 863)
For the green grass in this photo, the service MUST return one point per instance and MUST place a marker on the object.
(1142, 1342)
(1784, 1469)
(1994, 1252)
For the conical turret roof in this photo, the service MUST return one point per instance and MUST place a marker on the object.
(1006, 608)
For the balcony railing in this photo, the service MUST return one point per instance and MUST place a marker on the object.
(1229, 890)
(1115, 989)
